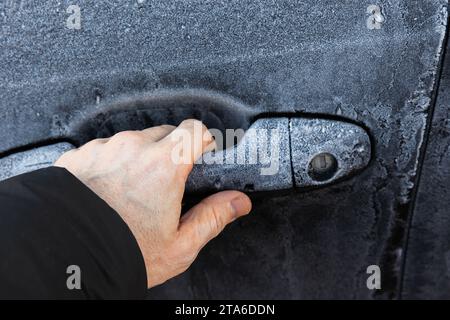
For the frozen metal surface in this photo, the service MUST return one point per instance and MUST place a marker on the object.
(427, 265)
(276, 57)
(261, 161)
(26, 161)
(348, 143)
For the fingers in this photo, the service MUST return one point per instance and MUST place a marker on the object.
(208, 218)
(155, 134)
(187, 143)
(149, 135)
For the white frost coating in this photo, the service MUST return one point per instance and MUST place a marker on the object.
(31, 160)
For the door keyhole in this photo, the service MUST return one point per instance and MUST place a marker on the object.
(322, 166)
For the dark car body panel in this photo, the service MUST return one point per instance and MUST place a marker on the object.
(276, 57)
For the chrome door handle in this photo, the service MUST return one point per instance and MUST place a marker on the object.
(274, 154)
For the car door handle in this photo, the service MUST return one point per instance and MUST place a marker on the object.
(273, 154)
(290, 152)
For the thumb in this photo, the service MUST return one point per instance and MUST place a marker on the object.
(208, 218)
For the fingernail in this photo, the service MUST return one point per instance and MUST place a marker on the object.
(241, 205)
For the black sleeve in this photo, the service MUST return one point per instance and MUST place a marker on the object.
(50, 221)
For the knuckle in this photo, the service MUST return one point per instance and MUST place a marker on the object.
(128, 137)
(193, 123)
(92, 143)
(189, 122)
(166, 127)
(158, 132)
(97, 141)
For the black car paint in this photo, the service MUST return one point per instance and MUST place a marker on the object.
(309, 57)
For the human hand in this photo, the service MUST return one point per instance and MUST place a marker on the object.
(135, 173)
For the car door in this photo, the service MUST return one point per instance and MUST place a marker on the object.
(427, 260)
(74, 71)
